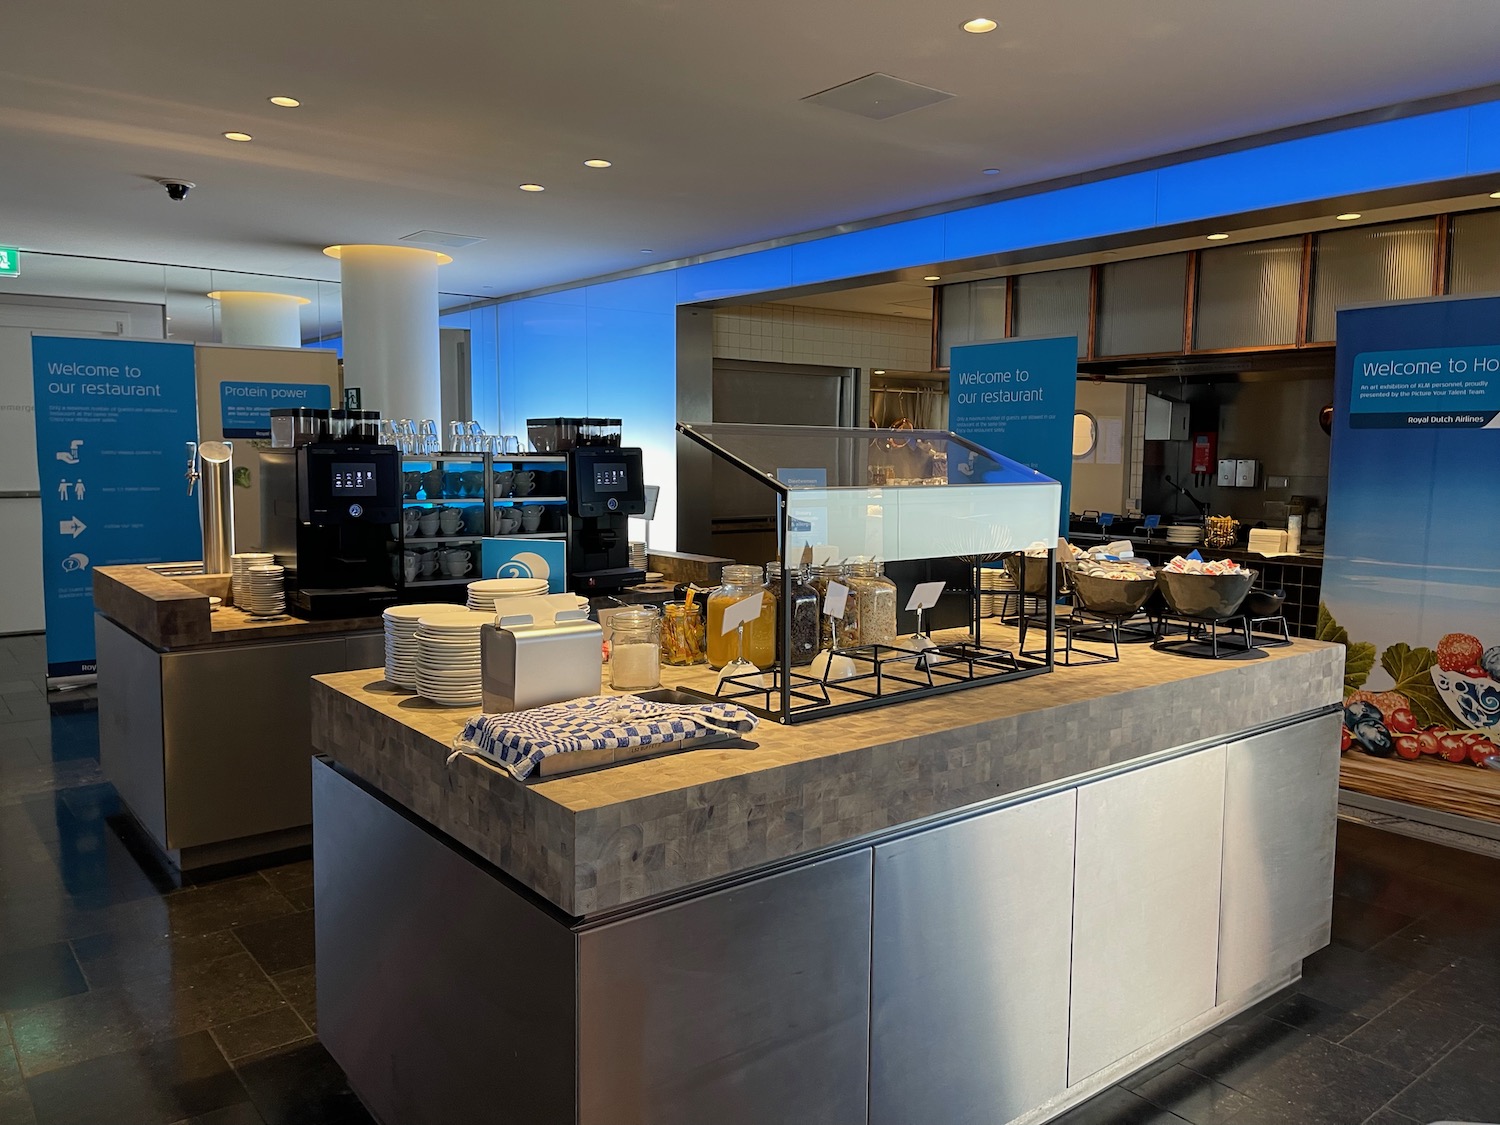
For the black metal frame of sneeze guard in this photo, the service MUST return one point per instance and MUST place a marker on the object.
(886, 674)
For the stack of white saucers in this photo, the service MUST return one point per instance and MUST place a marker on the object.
(239, 565)
(638, 555)
(485, 592)
(1186, 534)
(265, 591)
(994, 583)
(448, 668)
(401, 640)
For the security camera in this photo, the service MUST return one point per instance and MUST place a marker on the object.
(177, 189)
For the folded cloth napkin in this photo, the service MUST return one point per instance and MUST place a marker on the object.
(518, 741)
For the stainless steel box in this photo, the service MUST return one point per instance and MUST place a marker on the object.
(526, 665)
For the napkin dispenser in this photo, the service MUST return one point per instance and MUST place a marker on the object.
(525, 665)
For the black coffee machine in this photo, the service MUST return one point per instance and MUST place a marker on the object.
(606, 486)
(326, 513)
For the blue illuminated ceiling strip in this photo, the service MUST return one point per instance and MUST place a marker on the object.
(1427, 148)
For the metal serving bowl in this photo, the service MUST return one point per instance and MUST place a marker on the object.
(1263, 603)
(1111, 597)
(1211, 597)
(1036, 574)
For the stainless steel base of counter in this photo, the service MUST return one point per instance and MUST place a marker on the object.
(995, 964)
(209, 747)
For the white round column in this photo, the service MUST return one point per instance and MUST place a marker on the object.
(271, 320)
(390, 307)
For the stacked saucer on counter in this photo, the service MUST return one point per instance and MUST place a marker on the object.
(265, 591)
(637, 554)
(448, 665)
(485, 592)
(401, 640)
(1184, 534)
(239, 577)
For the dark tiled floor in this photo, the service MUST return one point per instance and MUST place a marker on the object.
(129, 1002)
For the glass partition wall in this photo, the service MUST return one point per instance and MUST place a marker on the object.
(845, 501)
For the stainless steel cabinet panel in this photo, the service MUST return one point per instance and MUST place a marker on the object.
(237, 737)
(1145, 906)
(365, 650)
(446, 996)
(744, 1007)
(1280, 813)
(971, 951)
(130, 721)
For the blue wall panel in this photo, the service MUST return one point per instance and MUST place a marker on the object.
(609, 348)
(1124, 203)
(1412, 150)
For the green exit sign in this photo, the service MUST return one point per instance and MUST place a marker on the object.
(10, 261)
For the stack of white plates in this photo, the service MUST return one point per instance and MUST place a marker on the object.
(401, 640)
(448, 671)
(638, 555)
(239, 564)
(1187, 534)
(265, 591)
(485, 592)
(994, 583)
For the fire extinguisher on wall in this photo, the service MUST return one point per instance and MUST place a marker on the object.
(1205, 456)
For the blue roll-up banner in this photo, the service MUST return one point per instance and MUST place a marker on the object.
(1411, 577)
(112, 421)
(1017, 398)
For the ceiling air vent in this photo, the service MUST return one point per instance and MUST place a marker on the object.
(878, 96)
(440, 238)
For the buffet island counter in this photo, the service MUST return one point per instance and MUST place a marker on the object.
(980, 907)
(203, 711)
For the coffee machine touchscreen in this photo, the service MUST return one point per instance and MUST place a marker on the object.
(354, 478)
(610, 476)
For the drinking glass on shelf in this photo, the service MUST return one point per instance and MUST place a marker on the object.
(406, 436)
(429, 436)
(509, 443)
(455, 438)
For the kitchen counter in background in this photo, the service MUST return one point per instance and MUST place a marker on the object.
(1043, 885)
(203, 716)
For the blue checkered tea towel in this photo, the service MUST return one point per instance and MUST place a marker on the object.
(518, 741)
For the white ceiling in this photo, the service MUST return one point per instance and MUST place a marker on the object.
(894, 298)
(428, 115)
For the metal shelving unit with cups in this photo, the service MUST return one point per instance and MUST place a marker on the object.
(445, 514)
(531, 495)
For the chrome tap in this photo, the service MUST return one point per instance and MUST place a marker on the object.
(192, 473)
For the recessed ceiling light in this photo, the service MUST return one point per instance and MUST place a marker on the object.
(878, 371)
(992, 171)
(284, 102)
(980, 26)
(596, 163)
(238, 137)
(1347, 216)
(932, 277)
(648, 251)
(532, 187)
(1217, 237)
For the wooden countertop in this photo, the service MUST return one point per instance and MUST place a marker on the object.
(173, 613)
(594, 841)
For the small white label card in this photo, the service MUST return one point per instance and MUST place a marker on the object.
(926, 595)
(834, 600)
(743, 612)
(823, 553)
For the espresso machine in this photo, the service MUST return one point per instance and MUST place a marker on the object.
(326, 513)
(606, 486)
